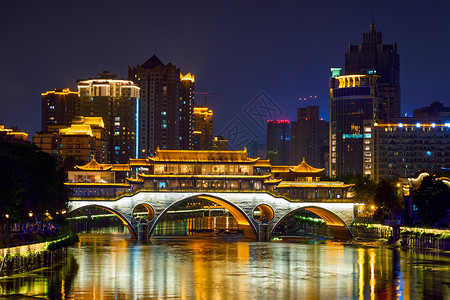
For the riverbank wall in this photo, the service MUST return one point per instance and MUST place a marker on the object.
(422, 238)
(20, 259)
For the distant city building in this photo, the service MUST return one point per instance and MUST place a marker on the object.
(203, 128)
(116, 102)
(59, 107)
(165, 106)
(278, 139)
(12, 134)
(353, 110)
(309, 137)
(436, 109)
(219, 143)
(380, 59)
(411, 145)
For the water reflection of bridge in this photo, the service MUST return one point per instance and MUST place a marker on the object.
(228, 178)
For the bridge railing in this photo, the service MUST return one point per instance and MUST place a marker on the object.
(110, 195)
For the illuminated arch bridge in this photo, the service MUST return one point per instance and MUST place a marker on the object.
(241, 205)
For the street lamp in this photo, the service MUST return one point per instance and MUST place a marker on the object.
(30, 214)
(7, 216)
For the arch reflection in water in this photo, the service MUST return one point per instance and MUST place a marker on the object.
(203, 216)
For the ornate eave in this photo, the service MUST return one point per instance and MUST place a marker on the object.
(201, 156)
(272, 181)
(93, 165)
(303, 167)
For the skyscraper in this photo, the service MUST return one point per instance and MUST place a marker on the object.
(116, 101)
(166, 97)
(187, 111)
(381, 59)
(278, 139)
(203, 128)
(59, 107)
(309, 136)
(353, 110)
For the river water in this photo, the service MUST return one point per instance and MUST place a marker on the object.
(112, 266)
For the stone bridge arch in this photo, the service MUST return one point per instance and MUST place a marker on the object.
(337, 226)
(124, 220)
(245, 221)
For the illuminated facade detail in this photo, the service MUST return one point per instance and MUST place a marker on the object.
(203, 128)
(165, 106)
(278, 141)
(115, 100)
(374, 57)
(59, 107)
(309, 137)
(7, 134)
(353, 110)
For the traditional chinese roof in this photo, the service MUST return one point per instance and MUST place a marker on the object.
(93, 165)
(206, 156)
(264, 163)
(272, 181)
(303, 167)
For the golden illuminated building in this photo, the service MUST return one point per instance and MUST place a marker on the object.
(170, 170)
(203, 128)
(83, 139)
(8, 134)
(59, 107)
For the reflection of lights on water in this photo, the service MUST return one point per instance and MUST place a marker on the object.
(361, 273)
(372, 273)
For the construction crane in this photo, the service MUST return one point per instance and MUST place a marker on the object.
(206, 95)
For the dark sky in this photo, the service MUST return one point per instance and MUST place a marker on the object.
(234, 48)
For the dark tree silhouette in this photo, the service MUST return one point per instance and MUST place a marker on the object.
(432, 199)
(29, 181)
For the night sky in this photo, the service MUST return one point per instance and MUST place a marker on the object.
(234, 48)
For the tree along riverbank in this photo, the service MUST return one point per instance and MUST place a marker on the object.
(424, 238)
(20, 259)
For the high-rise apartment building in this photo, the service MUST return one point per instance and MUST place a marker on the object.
(165, 106)
(59, 107)
(405, 146)
(309, 137)
(383, 60)
(203, 128)
(187, 112)
(116, 101)
(353, 110)
(278, 139)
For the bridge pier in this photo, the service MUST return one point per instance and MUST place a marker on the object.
(264, 232)
(142, 229)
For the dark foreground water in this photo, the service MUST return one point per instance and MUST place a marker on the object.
(112, 266)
